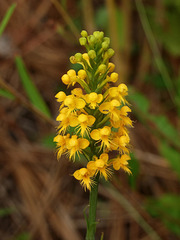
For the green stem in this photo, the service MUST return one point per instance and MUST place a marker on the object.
(91, 227)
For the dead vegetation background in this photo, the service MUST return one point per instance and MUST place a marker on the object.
(39, 199)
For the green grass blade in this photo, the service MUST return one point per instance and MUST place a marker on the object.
(31, 90)
(6, 18)
(5, 93)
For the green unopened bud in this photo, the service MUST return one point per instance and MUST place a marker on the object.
(101, 35)
(91, 39)
(73, 60)
(102, 68)
(92, 54)
(98, 35)
(78, 57)
(110, 52)
(82, 41)
(105, 45)
(106, 39)
(84, 33)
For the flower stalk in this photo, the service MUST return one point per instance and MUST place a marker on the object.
(93, 119)
(91, 221)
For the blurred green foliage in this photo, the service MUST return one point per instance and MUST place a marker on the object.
(30, 88)
(134, 167)
(23, 236)
(167, 209)
(5, 211)
(6, 18)
(5, 93)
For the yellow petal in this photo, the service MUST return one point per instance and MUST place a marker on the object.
(77, 174)
(124, 159)
(60, 96)
(83, 143)
(113, 92)
(80, 103)
(91, 120)
(69, 100)
(123, 141)
(58, 138)
(126, 169)
(91, 167)
(116, 164)
(73, 121)
(95, 134)
(104, 157)
(105, 131)
(122, 88)
(115, 103)
(105, 107)
(99, 163)
(127, 121)
(77, 92)
(82, 118)
(92, 97)
(124, 110)
(99, 98)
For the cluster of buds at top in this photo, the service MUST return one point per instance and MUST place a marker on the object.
(93, 120)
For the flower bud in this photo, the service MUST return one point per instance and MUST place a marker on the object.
(105, 45)
(98, 35)
(106, 39)
(111, 67)
(114, 77)
(71, 73)
(92, 54)
(73, 60)
(84, 33)
(65, 79)
(86, 57)
(91, 40)
(82, 74)
(102, 68)
(110, 52)
(82, 41)
(78, 57)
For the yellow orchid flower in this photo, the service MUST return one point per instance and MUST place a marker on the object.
(123, 119)
(119, 92)
(101, 165)
(120, 144)
(61, 144)
(84, 122)
(93, 99)
(122, 162)
(74, 103)
(102, 134)
(111, 109)
(75, 145)
(84, 175)
(64, 118)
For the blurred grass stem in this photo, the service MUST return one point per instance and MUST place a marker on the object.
(66, 18)
(111, 191)
(111, 7)
(155, 50)
(88, 15)
(26, 103)
(6, 18)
